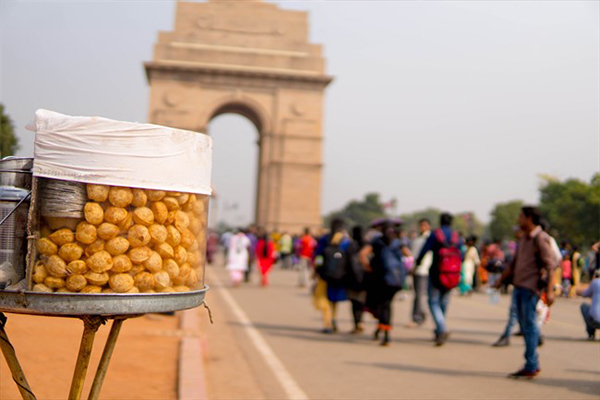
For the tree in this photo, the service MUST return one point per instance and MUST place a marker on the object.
(572, 208)
(9, 143)
(359, 212)
(504, 218)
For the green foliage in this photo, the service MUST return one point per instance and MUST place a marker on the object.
(464, 222)
(572, 208)
(359, 212)
(504, 218)
(9, 143)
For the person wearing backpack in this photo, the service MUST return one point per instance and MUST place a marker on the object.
(444, 274)
(331, 258)
(383, 258)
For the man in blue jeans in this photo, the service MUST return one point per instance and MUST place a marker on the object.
(532, 271)
(439, 297)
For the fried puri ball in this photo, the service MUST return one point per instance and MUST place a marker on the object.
(136, 269)
(126, 223)
(158, 233)
(193, 257)
(63, 290)
(181, 288)
(156, 195)
(165, 250)
(116, 246)
(95, 247)
(121, 263)
(192, 279)
(94, 214)
(107, 231)
(187, 238)
(97, 192)
(162, 280)
(46, 247)
(39, 272)
(144, 281)
(70, 252)
(120, 283)
(195, 225)
(171, 203)
(198, 207)
(183, 198)
(86, 233)
(133, 290)
(138, 236)
(62, 236)
(40, 287)
(77, 267)
(91, 289)
(95, 278)
(167, 290)
(100, 262)
(139, 198)
(154, 263)
(143, 216)
(149, 291)
(76, 282)
(180, 254)
(173, 236)
(160, 211)
(120, 196)
(107, 290)
(54, 283)
(115, 215)
(171, 267)
(139, 254)
(182, 221)
(56, 267)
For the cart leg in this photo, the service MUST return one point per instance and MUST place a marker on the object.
(90, 326)
(106, 355)
(13, 363)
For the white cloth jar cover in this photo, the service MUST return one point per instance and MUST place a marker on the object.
(103, 151)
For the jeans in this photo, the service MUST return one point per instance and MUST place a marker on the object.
(303, 273)
(512, 316)
(438, 303)
(526, 301)
(590, 324)
(420, 288)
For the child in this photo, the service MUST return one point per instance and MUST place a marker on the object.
(565, 266)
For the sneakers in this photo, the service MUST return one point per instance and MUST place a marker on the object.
(503, 341)
(524, 374)
(540, 341)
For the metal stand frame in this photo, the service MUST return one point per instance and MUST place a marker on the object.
(91, 323)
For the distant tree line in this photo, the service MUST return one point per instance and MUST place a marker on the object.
(571, 208)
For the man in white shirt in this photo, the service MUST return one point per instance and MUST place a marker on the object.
(421, 273)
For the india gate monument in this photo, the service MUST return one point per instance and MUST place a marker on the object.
(254, 59)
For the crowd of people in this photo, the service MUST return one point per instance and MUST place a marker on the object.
(369, 265)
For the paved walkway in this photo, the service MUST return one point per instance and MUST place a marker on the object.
(253, 325)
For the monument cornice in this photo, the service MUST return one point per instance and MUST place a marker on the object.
(276, 74)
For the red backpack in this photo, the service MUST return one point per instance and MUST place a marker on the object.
(449, 262)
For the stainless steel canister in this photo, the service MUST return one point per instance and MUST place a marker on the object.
(16, 172)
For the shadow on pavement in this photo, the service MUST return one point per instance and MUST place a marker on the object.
(578, 385)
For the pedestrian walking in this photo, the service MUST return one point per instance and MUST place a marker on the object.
(532, 271)
(286, 248)
(421, 273)
(307, 248)
(355, 280)
(444, 274)
(237, 257)
(265, 256)
(251, 235)
(469, 264)
(383, 258)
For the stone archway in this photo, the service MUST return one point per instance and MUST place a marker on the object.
(254, 59)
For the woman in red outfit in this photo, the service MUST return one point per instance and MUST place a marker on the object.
(264, 256)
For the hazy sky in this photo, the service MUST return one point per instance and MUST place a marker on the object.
(453, 104)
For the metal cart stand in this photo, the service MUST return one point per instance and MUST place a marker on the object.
(94, 310)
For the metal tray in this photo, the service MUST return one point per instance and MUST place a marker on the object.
(75, 304)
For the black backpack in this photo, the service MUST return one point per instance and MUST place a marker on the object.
(335, 264)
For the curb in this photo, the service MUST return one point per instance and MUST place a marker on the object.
(191, 379)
